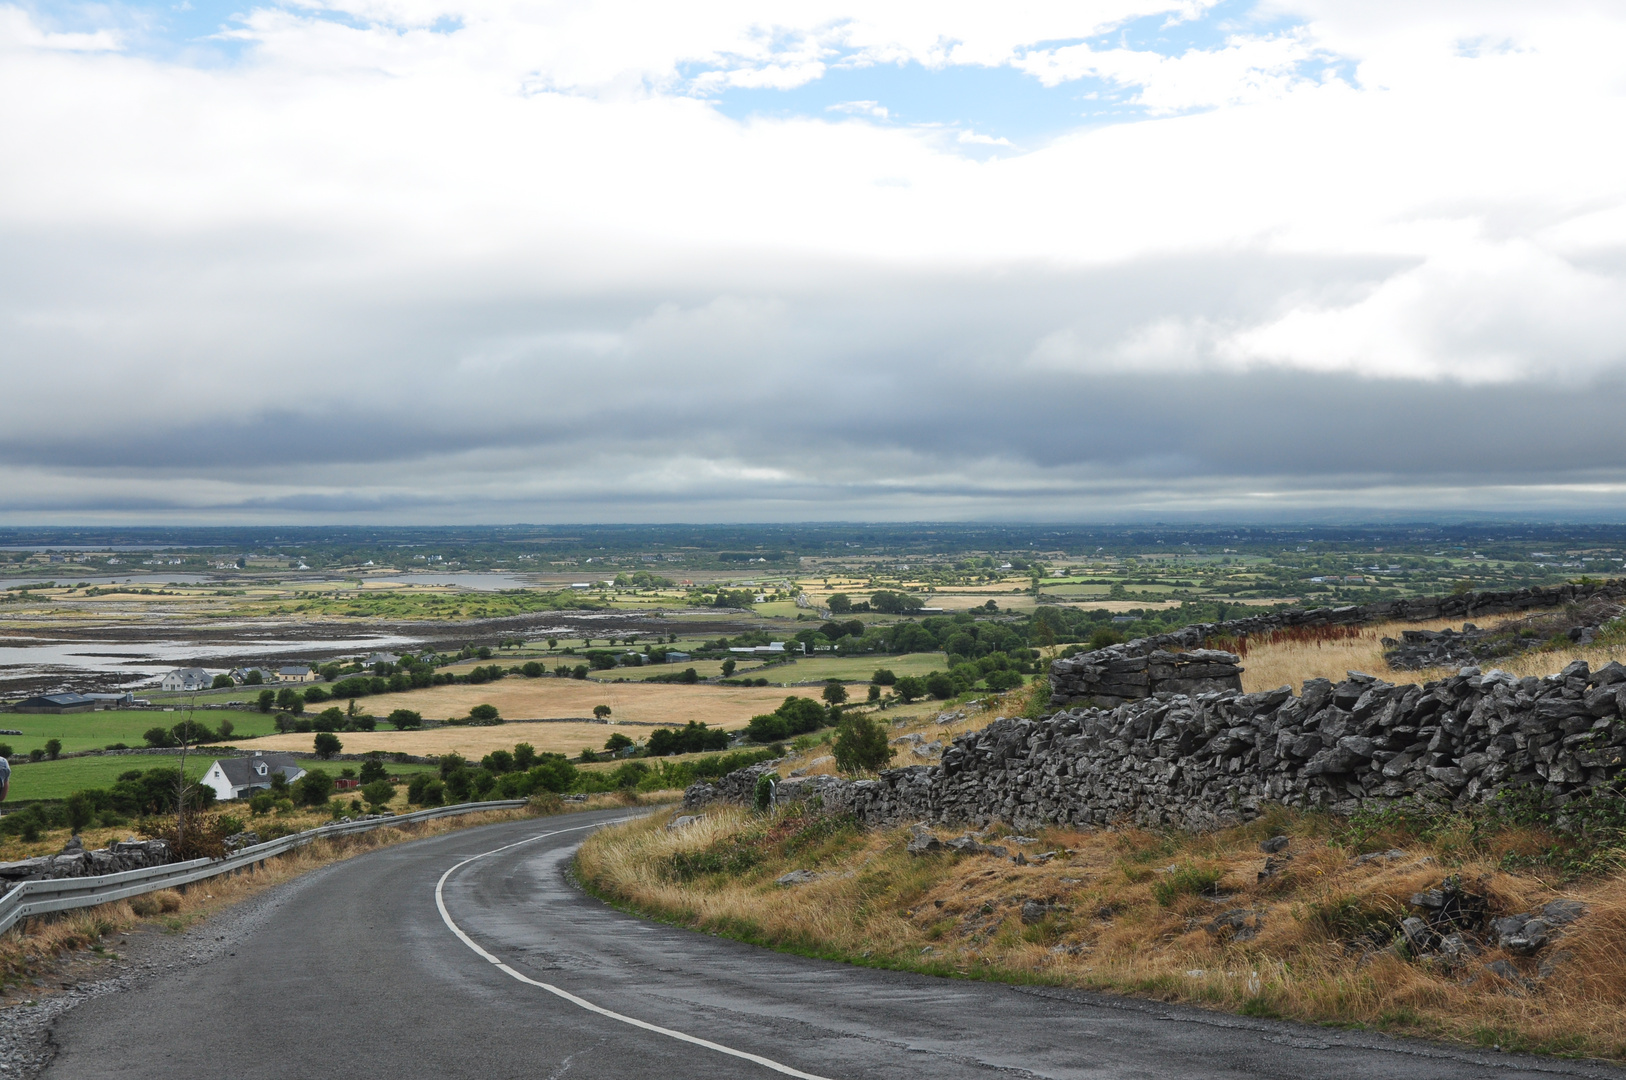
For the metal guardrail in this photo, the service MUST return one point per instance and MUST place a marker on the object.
(63, 894)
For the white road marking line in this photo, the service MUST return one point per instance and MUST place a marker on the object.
(446, 917)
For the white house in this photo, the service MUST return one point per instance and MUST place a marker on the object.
(235, 778)
(186, 678)
(294, 673)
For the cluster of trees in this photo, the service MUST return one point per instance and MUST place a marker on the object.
(499, 775)
(191, 732)
(795, 716)
(692, 738)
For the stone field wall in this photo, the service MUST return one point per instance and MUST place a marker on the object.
(1167, 662)
(1214, 759)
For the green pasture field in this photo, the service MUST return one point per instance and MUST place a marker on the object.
(97, 730)
(851, 668)
(32, 780)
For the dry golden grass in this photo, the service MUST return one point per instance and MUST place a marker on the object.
(657, 703)
(961, 915)
(1270, 666)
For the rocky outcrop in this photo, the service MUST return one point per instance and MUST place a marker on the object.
(1202, 761)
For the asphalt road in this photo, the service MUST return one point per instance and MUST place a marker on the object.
(357, 971)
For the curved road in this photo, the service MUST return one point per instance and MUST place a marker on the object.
(359, 971)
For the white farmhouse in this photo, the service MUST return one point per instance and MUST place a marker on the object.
(235, 778)
(186, 678)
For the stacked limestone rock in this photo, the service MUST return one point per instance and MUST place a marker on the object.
(75, 861)
(1214, 759)
(1120, 673)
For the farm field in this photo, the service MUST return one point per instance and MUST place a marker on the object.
(519, 698)
(96, 730)
(472, 742)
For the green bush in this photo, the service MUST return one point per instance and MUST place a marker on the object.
(314, 788)
(883, 677)
(327, 744)
(405, 719)
(763, 795)
(378, 793)
(329, 720)
(483, 712)
(909, 688)
(861, 745)
(769, 727)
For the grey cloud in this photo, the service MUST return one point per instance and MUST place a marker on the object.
(310, 388)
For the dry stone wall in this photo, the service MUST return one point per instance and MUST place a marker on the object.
(1208, 760)
(1166, 662)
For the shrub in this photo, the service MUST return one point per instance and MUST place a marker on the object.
(861, 745)
(329, 719)
(303, 726)
(314, 788)
(498, 762)
(769, 727)
(371, 770)
(483, 712)
(834, 693)
(158, 737)
(261, 803)
(531, 669)
(327, 744)
(601, 711)
(524, 756)
(81, 809)
(802, 715)
(314, 695)
(763, 795)
(941, 686)
(553, 773)
(378, 793)
(267, 700)
(53, 748)
(617, 742)
(883, 677)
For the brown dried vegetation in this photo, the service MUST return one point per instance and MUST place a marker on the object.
(1315, 940)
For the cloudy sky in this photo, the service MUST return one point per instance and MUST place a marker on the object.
(569, 260)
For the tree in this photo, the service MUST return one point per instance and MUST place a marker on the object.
(941, 686)
(373, 769)
(883, 677)
(617, 743)
(728, 666)
(53, 748)
(267, 700)
(288, 700)
(483, 712)
(860, 745)
(910, 687)
(531, 669)
(221, 682)
(834, 693)
(405, 719)
(601, 711)
(553, 643)
(839, 603)
(331, 719)
(253, 678)
(378, 793)
(158, 737)
(874, 692)
(327, 744)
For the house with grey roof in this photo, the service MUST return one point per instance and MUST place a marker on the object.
(239, 777)
(186, 678)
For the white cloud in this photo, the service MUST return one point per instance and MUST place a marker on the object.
(528, 230)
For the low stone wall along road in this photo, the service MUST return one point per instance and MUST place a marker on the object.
(356, 970)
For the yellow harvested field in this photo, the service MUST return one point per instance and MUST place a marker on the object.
(471, 742)
(543, 699)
